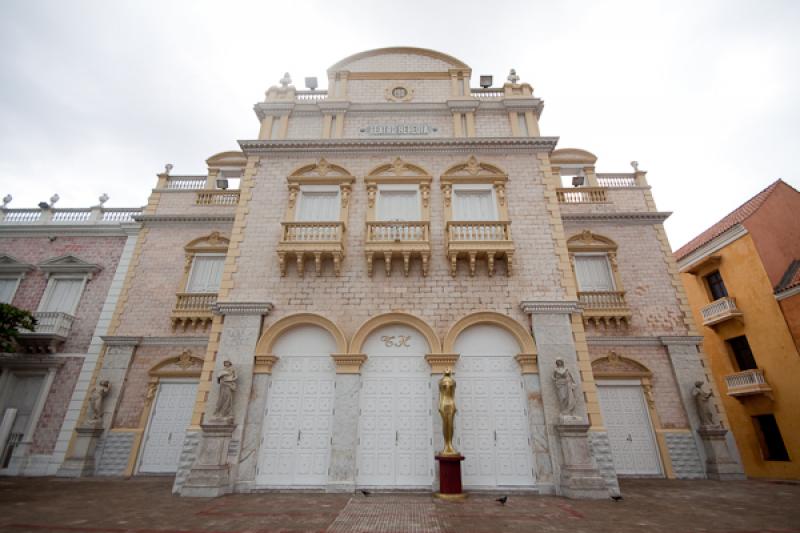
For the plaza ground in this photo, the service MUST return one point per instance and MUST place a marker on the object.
(145, 504)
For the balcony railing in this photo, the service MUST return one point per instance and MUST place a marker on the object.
(52, 329)
(186, 182)
(474, 239)
(68, 216)
(405, 239)
(487, 94)
(604, 307)
(720, 311)
(311, 96)
(193, 309)
(217, 197)
(747, 383)
(581, 195)
(311, 239)
(616, 180)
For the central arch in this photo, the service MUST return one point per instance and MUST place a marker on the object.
(523, 337)
(357, 343)
(268, 338)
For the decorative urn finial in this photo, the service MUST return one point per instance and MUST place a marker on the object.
(512, 76)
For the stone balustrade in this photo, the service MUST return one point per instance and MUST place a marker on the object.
(406, 239)
(217, 197)
(581, 195)
(65, 216)
(475, 239)
(193, 309)
(311, 239)
(604, 307)
(617, 180)
(52, 329)
(747, 383)
(186, 182)
(720, 311)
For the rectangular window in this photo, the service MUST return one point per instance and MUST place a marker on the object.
(523, 124)
(474, 204)
(742, 353)
(62, 295)
(206, 273)
(318, 206)
(716, 286)
(769, 436)
(8, 286)
(398, 205)
(593, 273)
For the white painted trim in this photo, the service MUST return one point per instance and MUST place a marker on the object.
(18, 279)
(787, 293)
(51, 283)
(717, 243)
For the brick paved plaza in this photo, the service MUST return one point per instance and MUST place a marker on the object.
(145, 505)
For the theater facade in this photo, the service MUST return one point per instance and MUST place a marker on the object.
(373, 235)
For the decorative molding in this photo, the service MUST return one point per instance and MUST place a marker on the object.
(527, 363)
(263, 363)
(628, 217)
(717, 243)
(117, 340)
(151, 219)
(383, 145)
(544, 307)
(348, 363)
(624, 341)
(687, 340)
(242, 308)
(387, 319)
(11, 265)
(173, 341)
(441, 361)
(614, 366)
(28, 361)
(271, 334)
(71, 230)
(68, 264)
(787, 293)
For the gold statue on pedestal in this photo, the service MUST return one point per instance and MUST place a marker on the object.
(447, 409)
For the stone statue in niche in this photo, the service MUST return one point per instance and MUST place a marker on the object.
(226, 379)
(96, 399)
(702, 402)
(565, 389)
(447, 410)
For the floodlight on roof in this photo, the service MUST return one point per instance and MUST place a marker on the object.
(486, 81)
(222, 183)
(311, 83)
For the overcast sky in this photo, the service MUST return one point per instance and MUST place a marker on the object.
(96, 96)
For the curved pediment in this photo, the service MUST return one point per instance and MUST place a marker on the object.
(399, 59)
(572, 156)
(184, 365)
(616, 366)
(211, 243)
(227, 159)
(321, 171)
(586, 241)
(472, 168)
(397, 168)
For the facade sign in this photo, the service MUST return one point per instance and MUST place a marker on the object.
(398, 129)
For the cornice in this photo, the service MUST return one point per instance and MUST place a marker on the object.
(787, 293)
(28, 361)
(686, 340)
(467, 105)
(384, 145)
(717, 243)
(333, 106)
(151, 219)
(534, 307)
(69, 230)
(627, 217)
(624, 341)
(173, 341)
(242, 308)
(264, 109)
(118, 340)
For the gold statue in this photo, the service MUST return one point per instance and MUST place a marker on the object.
(447, 409)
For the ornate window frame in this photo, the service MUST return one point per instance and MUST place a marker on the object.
(195, 308)
(13, 270)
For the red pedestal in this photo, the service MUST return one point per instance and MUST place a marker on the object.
(450, 474)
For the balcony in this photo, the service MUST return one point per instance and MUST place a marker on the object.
(52, 330)
(581, 195)
(217, 197)
(478, 239)
(604, 307)
(193, 309)
(398, 239)
(315, 239)
(720, 311)
(747, 383)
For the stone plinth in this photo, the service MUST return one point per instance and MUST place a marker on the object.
(719, 463)
(80, 461)
(580, 477)
(210, 474)
(450, 476)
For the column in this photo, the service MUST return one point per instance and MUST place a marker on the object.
(344, 437)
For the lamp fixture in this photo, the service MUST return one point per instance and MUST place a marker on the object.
(486, 81)
(222, 183)
(311, 83)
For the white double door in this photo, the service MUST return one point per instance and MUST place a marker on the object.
(630, 432)
(395, 437)
(295, 445)
(171, 414)
(492, 429)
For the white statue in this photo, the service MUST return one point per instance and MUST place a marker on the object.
(227, 386)
(565, 388)
(285, 80)
(702, 402)
(512, 76)
(96, 399)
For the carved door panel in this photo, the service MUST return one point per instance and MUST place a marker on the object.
(172, 412)
(629, 429)
(491, 424)
(295, 446)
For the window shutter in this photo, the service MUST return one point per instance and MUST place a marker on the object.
(398, 205)
(206, 273)
(7, 287)
(473, 205)
(318, 207)
(593, 273)
(63, 295)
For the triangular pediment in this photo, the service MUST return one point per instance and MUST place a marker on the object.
(11, 265)
(68, 264)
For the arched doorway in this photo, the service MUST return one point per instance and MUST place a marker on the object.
(297, 428)
(395, 435)
(492, 427)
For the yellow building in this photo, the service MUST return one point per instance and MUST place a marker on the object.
(736, 275)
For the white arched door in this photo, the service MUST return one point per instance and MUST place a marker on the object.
(492, 429)
(296, 436)
(395, 430)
